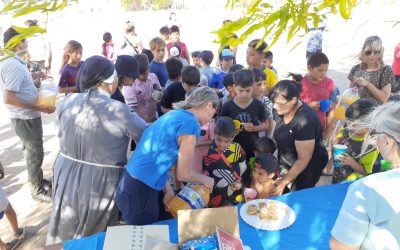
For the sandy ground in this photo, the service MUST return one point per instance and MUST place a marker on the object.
(342, 43)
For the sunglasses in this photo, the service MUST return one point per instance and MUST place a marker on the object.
(369, 52)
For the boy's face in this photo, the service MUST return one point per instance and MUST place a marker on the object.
(267, 62)
(261, 175)
(226, 63)
(253, 58)
(231, 90)
(318, 73)
(259, 88)
(165, 36)
(175, 37)
(222, 142)
(159, 52)
(243, 94)
(196, 61)
(143, 77)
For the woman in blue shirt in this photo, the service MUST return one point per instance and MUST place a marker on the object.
(168, 142)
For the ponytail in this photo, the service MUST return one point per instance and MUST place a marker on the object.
(296, 79)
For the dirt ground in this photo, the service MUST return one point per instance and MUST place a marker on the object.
(342, 42)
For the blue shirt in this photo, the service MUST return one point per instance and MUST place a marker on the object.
(158, 147)
(216, 79)
(160, 70)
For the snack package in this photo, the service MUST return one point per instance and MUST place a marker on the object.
(202, 243)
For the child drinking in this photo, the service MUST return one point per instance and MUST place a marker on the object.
(226, 163)
(361, 150)
(71, 63)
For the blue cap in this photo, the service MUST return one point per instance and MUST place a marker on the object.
(227, 53)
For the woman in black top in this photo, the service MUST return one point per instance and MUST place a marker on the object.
(298, 134)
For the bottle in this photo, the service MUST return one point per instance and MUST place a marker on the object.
(47, 93)
(191, 196)
(349, 96)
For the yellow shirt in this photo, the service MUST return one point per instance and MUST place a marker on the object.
(271, 80)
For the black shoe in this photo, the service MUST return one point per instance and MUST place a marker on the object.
(43, 195)
(13, 244)
(46, 184)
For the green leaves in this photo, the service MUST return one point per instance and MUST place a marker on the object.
(288, 17)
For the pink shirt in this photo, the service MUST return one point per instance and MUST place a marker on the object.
(201, 151)
(316, 92)
(138, 97)
(396, 61)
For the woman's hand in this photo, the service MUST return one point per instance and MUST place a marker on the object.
(361, 81)
(279, 187)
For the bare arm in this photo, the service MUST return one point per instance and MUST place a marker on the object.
(330, 117)
(184, 171)
(337, 245)
(11, 98)
(187, 55)
(381, 94)
(67, 89)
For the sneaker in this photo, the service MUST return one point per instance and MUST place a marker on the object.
(20, 234)
(44, 196)
(46, 184)
(12, 245)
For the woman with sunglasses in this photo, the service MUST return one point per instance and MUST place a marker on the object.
(373, 78)
(370, 214)
(298, 134)
(168, 142)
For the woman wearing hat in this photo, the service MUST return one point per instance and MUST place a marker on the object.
(127, 71)
(94, 133)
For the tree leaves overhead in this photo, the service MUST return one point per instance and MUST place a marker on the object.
(289, 17)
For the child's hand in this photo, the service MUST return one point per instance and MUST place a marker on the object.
(347, 160)
(314, 105)
(248, 126)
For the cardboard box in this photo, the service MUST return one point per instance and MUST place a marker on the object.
(197, 223)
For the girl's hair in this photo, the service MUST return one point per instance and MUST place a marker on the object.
(286, 88)
(143, 63)
(225, 127)
(198, 97)
(375, 43)
(106, 38)
(71, 46)
(383, 119)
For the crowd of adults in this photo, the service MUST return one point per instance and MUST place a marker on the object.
(130, 98)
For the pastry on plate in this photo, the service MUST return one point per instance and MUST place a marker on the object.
(252, 210)
(261, 204)
(268, 213)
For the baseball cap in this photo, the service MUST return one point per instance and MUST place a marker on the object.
(227, 53)
(267, 162)
(127, 66)
(175, 51)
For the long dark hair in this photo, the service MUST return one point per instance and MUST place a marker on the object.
(286, 88)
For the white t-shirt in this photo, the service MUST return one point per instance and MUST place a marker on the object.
(370, 214)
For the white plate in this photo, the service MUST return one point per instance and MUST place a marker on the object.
(286, 216)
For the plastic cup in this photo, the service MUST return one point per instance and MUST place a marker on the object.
(249, 194)
(385, 165)
(338, 151)
(325, 105)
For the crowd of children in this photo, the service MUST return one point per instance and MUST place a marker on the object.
(237, 148)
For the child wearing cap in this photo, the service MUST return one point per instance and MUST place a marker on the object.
(140, 95)
(225, 162)
(226, 58)
(266, 171)
(127, 70)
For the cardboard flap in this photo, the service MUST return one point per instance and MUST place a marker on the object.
(197, 223)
